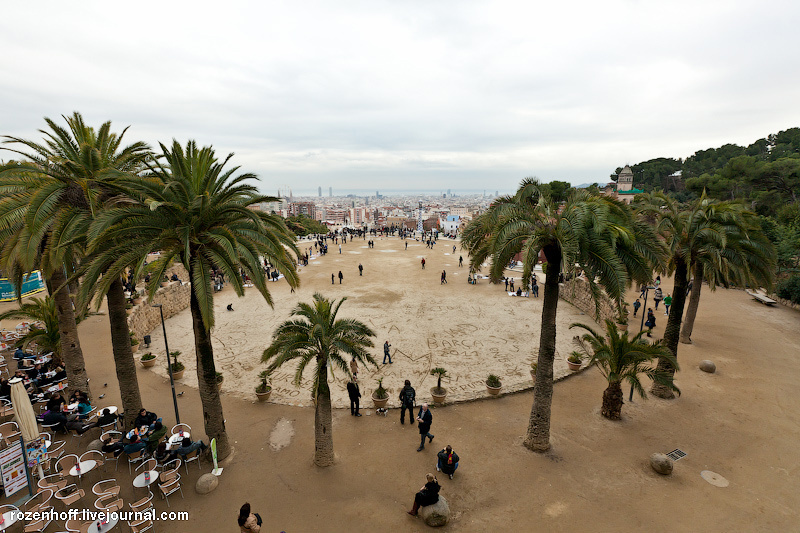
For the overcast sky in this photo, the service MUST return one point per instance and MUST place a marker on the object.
(412, 94)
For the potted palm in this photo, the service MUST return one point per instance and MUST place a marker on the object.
(177, 366)
(380, 396)
(136, 298)
(438, 392)
(128, 308)
(574, 361)
(220, 378)
(619, 358)
(134, 342)
(622, 317)
(493, 385)
(148, 360)
(165, 281)
(264, 389)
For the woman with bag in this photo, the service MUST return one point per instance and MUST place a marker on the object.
(249, 522)
(651, 321)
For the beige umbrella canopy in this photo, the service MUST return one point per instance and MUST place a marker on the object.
(23, 410)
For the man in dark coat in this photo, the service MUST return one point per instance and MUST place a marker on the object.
(425, 418)
(448, 461)
(355, 394)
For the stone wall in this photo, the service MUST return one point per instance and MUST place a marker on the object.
(577, 292)
(174, 298)
(784, 301)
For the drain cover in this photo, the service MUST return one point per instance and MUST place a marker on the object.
(676, 454)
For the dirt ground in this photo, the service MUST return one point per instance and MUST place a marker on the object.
(742, 423)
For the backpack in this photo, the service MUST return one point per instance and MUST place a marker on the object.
(409, 396)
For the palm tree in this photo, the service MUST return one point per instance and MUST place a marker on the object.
(196, 213)
(51, 198)
(317, 335)
(597, 233)
(748, 258)
(697, 233)
(621, 358)
(39, 311)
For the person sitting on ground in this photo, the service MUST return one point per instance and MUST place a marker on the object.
(448, 461)
(158, 433)
(187, 446)
(230, 307)
(136, 444)
(144, 418)
(427, 495)
(175, 278)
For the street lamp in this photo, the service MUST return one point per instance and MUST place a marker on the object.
(169, 364)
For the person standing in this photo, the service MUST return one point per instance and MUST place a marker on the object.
(386, 355)
(667, 303)
(360, 269)
(340, 249)
(406, 245)
(460, 260)
(636, 305)
(341, 277)
(651, 321)
(333, 279)
(447, 461)
(454, 249)
(658, 295)
(355, 394)
(423, 263)
(511, 285)
(425, 419)
(407, 397)
(444, 278)
(535, 288)
(249, 522)
(506, 280)
(353, 367)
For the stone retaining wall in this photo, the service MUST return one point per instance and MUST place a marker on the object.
(174, 298)
(577, 292)
(784, 301)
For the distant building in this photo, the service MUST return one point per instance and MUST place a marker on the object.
(302, 208)
(623, 189)
(450, 224)
(319, 192)
(330, 191)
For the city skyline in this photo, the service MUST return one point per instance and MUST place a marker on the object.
(466, 96)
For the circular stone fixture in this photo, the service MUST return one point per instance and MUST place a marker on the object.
(714, 478)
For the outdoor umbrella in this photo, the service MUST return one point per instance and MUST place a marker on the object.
(23, 411)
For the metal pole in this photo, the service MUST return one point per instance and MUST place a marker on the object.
(169, 365)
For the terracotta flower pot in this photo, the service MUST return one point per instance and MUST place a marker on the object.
(264, 396)
(380, 403)
(178, 374)
(439, 396)
(147, 363)
(574, 366)
(622, 327)
(494, 391)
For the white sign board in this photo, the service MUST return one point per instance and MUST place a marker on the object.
(12, 465)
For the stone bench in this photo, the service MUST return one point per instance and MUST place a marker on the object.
(766, 300)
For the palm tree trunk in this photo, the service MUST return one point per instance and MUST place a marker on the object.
(323, 423)
(694, 303)
(538, 436)
(71, 351)
(612, 401)
(213, 419)
(673, 329)
(123, 354)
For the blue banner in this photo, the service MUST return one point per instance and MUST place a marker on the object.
(31, 284)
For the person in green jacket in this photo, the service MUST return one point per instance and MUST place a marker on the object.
(667, 303)
(152, 440)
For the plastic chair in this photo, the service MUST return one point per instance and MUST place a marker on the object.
(70, 494)
(39, 502)
(96, 456)
(141, 527)
(134, 458)
(54, 453)
(147, 464)
(145, 504)
(109, 503)
(171, 487)
(53, 482)
(177, 428)
(76, 526)
(168, 474)
(10, 432)
(66, 462)
(193, 456)
(107, 486)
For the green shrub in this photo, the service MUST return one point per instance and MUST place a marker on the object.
(789, 289)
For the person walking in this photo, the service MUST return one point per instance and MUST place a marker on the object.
(406, 245)
(333, 279)
(636, 305)
(667, 303)
(341, 277)
(423, 263)
(386, 355)
(360, 269)
(447, 461)
(658, 295)
(355, 394)
(460, 260)
(249, 522)
(535, 288)
(407, 397)
(353, 367)
(340, 249)
(454, 249)
(425, 419)
(444, 278)
(651, 321)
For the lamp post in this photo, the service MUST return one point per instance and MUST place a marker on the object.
(169, 364)
(641, 325)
